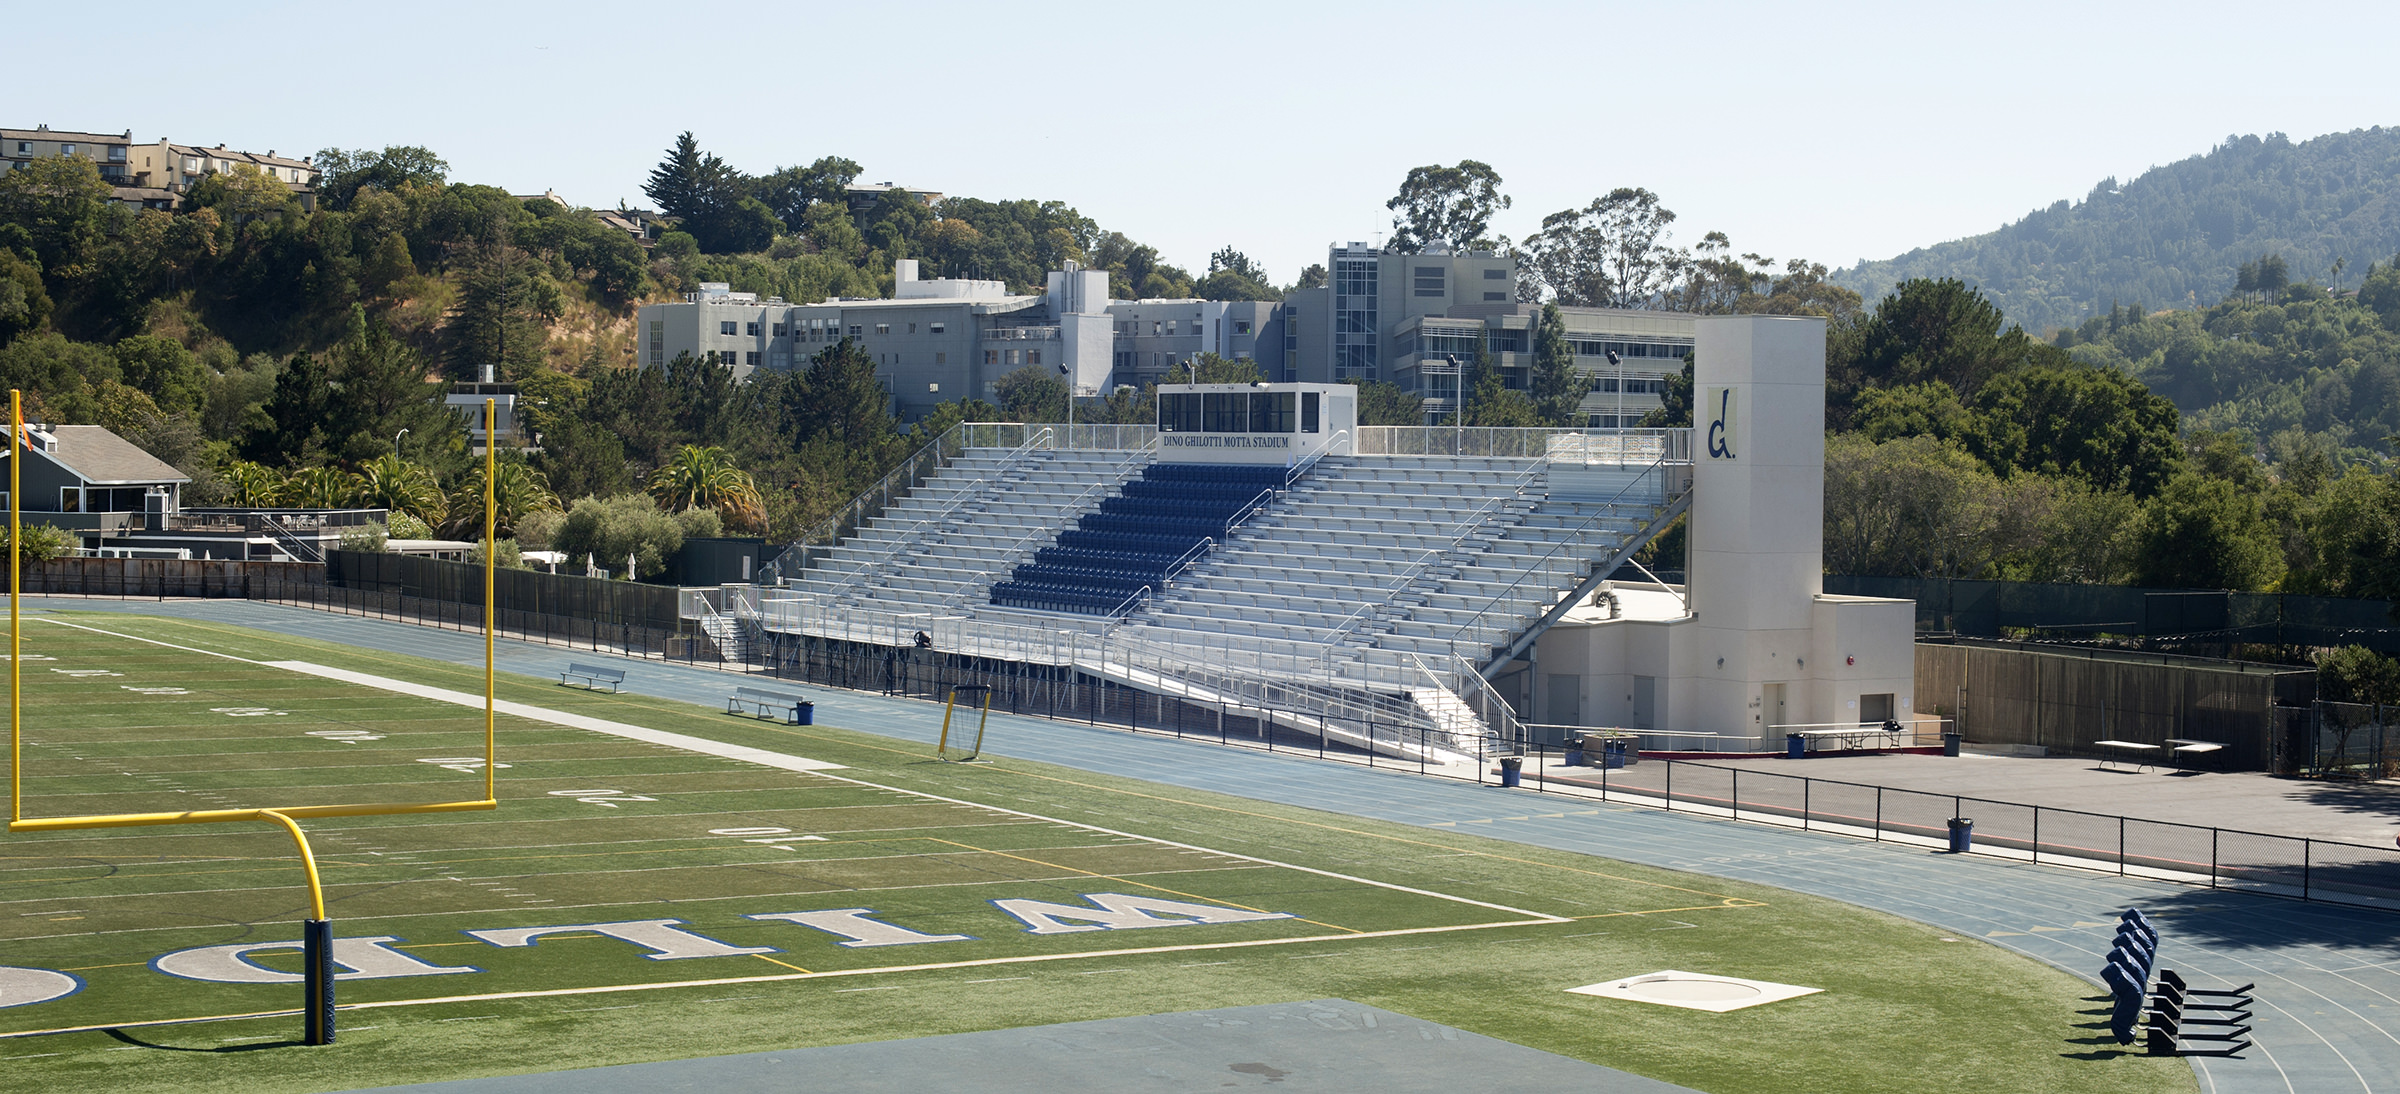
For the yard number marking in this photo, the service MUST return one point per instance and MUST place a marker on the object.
(248, 712)
(780, 836)
(608, 798)
(346, 736)
(138, 690)
(468, 764)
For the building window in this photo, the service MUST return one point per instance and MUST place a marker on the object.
(1154, 325)
(1496, 273)
(658, 342)
(856, 330)
(725, 327)
(778, 330)
(116, 153)
(883, 328)
(991, 357)
(1033, 357)
(912, 328)
(24, 148)
(1241, 326)
(937, 327)
(1010, 357)
(1429, 281)
(66, 150)
(750, 329)
(1493, 297)
(941, 358)
(751, 358)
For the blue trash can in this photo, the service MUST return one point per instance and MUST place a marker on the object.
(808, 714)
(1962, 835)
(1512, 770)
(1795, 746)
(1613, 753)
(1574, 754)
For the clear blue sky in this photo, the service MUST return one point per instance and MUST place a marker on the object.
(1831, 131)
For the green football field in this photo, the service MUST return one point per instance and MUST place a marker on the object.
(661, 881)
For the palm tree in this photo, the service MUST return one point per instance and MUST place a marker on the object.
(324, 487)
(705, 478)
(254, 485)
(392, 483)
(517, 490)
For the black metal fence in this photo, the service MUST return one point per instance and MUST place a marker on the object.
(2346, 739)
(1068, 694)
(1999, 608)
(2332, 871)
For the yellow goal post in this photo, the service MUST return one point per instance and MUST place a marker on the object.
(318, 1013)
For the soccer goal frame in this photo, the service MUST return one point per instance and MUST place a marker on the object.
(317, 931)
(965, 753)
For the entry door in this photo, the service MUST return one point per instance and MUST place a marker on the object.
(1772, 704)
(1566, 700)
(1645, 702)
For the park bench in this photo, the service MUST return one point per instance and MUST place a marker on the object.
(761, 703)
(592, 676)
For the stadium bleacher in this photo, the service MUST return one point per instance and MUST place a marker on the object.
(1362, 588)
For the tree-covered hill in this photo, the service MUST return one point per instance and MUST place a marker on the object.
(2175, 237)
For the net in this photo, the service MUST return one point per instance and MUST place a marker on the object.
(979, 697)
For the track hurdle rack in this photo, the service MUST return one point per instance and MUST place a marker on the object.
(2176, 1019)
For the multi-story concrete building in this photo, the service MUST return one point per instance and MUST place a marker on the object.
(933, 341)
(1403, 318)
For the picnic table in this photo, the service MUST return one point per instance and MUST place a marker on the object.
(2180, 747)
(2127, 752)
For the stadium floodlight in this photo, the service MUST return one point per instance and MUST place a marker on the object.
(317, 931)
(964, 753)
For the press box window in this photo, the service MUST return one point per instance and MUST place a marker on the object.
(1179, 413)
(1309, 421)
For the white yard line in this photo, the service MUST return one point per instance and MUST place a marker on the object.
(702, 745)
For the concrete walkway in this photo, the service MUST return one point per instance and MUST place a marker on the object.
(2328, 977)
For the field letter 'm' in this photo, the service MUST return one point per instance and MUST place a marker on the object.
(1118, 912)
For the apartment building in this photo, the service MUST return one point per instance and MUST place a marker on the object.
(153, 175)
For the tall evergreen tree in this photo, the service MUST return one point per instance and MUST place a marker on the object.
(1557, 388)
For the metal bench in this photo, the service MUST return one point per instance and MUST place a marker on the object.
(592, 676)
(761, 703)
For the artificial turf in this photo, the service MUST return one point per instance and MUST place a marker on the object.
(593, 829)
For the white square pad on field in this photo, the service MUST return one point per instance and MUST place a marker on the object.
(1695, 990)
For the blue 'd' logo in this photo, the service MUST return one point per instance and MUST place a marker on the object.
(1720, 429)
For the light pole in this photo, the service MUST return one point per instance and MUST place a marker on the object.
(1458, 400)
(1618, 363)
(396, 440)
(1069, 377)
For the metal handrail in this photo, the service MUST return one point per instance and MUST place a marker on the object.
(830, 528)
(1575, 534)
(1120, 611)
(1467, 527)
(975, 490)
(1114, 476)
